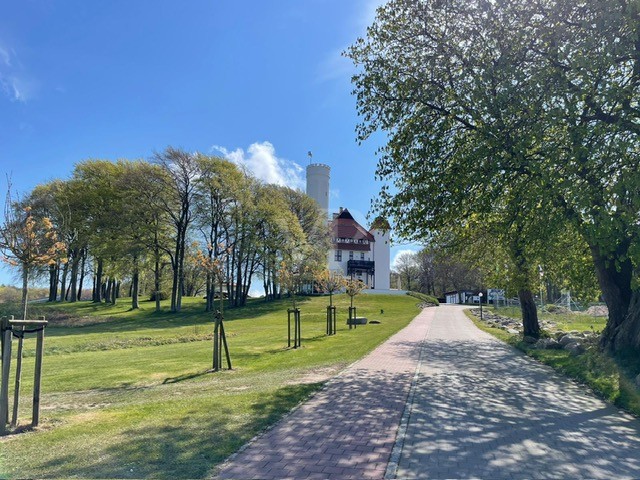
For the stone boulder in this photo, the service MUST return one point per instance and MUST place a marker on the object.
(574, 348)
(528, 339)
(566, 339)
(547, 344)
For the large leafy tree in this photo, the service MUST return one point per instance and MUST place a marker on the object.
(479, 97)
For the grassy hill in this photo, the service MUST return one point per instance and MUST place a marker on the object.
(126, 394)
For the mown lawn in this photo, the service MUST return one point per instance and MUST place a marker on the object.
(129, 396)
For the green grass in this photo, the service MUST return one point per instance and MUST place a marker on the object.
(424, 297)
(131, 397)
(611, 380)
(564, 321)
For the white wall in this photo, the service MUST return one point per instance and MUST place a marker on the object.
(318, 184)
(382, 257)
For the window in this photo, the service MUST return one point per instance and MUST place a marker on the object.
(350, 255)
(361, 255)
(338, 257)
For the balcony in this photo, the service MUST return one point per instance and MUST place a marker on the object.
(354, 266)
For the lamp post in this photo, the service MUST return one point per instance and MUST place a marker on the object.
(480, 295)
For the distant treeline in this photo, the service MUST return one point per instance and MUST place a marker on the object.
(181, 224)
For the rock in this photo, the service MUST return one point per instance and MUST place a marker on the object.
(598, 311)
(638, 381)
(574, 348)
(547, 344)
(567, 339)
(512, 331)
(528, 339)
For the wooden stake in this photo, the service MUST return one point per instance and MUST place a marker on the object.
(226, 347)
(16, 393)
(4, 387)
(36, 378)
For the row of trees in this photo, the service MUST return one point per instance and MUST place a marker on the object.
(444, 267)
(182, 224)
(513, 126)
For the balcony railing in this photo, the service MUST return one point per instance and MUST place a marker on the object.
(360, 265)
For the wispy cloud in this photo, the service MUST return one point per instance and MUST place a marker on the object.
(14, 82)
(335, 66)
(5, 57)
(261, 160)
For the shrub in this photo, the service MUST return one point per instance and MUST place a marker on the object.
(162, 295)
(425, 298)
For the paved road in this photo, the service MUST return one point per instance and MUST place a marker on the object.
(482, 410)
(475, 409)
(349, 428)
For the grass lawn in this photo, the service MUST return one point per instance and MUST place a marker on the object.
(610, 379)
(128, 395)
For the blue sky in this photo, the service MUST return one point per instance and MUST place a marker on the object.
(260, 81)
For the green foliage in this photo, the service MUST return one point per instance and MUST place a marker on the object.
(518, 128)
(424, 297)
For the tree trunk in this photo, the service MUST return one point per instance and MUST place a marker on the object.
(25, 290)
(530, 323)
(626, 338)
(54, 271)
(134, 292)
(63, 282)
(98, 291)
(156, 278)
(181, 273)
(73, 283)
(114, 292)
(175, 265)
(107, 292)
(614, 278)
(82, 272)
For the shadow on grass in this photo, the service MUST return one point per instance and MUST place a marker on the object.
(186, 376)
(187, 445)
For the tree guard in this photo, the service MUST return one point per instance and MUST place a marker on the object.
(331, 320)
(297, 334)
(10, 328)
(352, 318)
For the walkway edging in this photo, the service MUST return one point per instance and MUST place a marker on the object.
(396, 453)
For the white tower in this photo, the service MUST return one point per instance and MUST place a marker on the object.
(382, 253)
(318, 184)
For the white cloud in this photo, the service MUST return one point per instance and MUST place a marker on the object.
(14, 82)
(5, 57)
(261, 160)
(335, 66)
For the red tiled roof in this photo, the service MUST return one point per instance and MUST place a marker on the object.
(345, 226)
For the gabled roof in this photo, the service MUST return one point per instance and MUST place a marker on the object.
(345, 226)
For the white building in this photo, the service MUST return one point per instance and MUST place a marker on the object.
(355, 251)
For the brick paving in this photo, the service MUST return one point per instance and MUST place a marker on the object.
(348, 429)
(482, 410)
(477, 409)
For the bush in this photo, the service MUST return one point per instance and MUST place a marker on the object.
(425, 298)
(162, 295)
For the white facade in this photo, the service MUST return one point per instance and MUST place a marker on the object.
(382, 257)
(318, 184)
